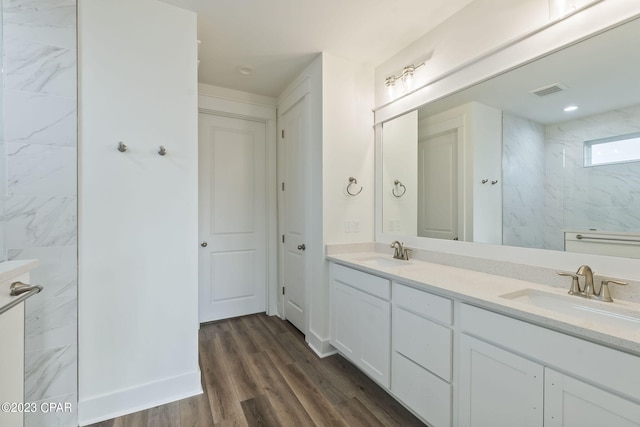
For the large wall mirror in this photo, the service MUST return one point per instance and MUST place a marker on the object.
(544, 156)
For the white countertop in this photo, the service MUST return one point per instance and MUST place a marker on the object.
(484, 290)
(9, 270)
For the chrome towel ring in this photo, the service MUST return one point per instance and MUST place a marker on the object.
(398, 184)
(353, 181)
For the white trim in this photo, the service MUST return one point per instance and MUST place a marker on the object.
(295, 95)
(144, 396)
(208, 104)
(321, 346)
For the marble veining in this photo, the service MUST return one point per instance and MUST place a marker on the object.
(44, 21)
(40, 119)
(39, 215)
(548, 189)
(50, 372)
(40, 68)
(40, 221)
(41, 170)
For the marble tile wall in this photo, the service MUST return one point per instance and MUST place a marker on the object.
(547, 188)
(605, 197)
(40, 193)
(523, 170)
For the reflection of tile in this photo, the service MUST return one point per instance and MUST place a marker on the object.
(39, 119)
(50, 372)
(43, 21)
(54, 416)
(40, 221)
(41, 170)
(40, 68)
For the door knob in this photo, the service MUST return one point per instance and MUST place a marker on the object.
(302, 247)
(204, 244)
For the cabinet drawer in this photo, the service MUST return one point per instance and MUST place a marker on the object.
(423, 303)
(366, 282)
(426, 394)
(423, 341)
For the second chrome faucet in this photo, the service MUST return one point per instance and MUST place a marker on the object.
(400, 251)
(589, 291)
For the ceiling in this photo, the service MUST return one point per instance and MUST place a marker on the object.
(277, 39)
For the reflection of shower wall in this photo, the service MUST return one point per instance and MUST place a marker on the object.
(602, 197)
(523, 169)
(547, 188)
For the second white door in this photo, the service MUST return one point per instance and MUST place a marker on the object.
(438, 186)
(293, 199)
(233, 217)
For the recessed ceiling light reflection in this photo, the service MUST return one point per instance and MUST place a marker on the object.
(570, 108)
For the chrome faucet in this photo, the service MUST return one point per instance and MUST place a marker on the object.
(400, 251)
(589, 291)
(586, 271)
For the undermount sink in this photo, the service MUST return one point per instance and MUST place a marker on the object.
(379, 261)
(618, 314)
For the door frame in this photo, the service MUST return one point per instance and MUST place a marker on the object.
(209, 104)
(300, 93)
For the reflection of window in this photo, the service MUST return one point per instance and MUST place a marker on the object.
(617, 149)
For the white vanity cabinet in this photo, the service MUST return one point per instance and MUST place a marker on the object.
(573, 403)
(497, 387)
(361, 320)
(421, 367)
(510, 374)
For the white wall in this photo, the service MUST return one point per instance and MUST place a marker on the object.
(340, 145)
(348, 149)
(138, 213)
(400, 162)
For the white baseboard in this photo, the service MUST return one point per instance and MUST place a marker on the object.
(144, 396)
(320, 346)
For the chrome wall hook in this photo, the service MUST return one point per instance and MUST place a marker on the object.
(162, 151)
(121, 147)
(494, 182)
(353, 181)
(398, 184)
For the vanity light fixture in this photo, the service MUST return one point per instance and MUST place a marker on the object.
(406, 77)
(570, 108)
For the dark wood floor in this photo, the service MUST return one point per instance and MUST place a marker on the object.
(258, 371)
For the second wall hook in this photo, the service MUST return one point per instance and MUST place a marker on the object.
(121, 147)
(162, 151)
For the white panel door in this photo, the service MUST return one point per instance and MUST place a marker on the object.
(438, 213)
(232, 162)
(293, 198)
(498, 388)
(572, 403)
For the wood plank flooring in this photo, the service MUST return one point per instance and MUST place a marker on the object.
(258, 371)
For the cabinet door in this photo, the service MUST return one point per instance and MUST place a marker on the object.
(572, 403)
(498, 388)
(344, 320)
(375, 337)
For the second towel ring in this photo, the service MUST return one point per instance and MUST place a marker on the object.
(353, 181)
(397, 184)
